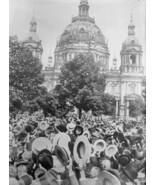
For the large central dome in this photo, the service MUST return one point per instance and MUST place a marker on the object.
(82, 30)
(81, 36)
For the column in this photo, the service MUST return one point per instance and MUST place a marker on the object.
(127, 108)
(122, 106)
(128, 59)
(116, 108)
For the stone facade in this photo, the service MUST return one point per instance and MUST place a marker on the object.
(126, 83)
(82, 35)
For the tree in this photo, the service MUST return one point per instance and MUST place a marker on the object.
(105, 105)
(51, 106)
(137, 107)
(144, 89)
(25, 78)
(81, 83)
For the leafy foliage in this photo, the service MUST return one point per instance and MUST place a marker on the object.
(106, 105)
(25, 79)
(51, 106)
(144, 89)
(81, 83)
(137, 107)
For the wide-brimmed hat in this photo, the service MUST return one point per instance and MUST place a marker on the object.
(61, 128)
(43, 125)
(40, 144)
(81, 149)
(78, 130)
(62, 155)
(39, 172)
(86, 134)
(61, 139)
(29, 128)
(100, 145)
(124, 160)
(111, 150)
(106, 178)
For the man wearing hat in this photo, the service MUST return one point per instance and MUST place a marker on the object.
(48, 176)
(23, 176)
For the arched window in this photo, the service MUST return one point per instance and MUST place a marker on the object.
(132, 42)
(133, 59)
(82, 30)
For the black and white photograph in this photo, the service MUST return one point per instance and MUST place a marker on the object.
(77, 92)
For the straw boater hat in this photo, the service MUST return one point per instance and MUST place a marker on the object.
(106, 178)
(43, 125)
(61, 139)
(81, 150)
(40, 144)
(100, 145)
(29, 128)
(62, 155)
(78, 130)
(111, 150)
(124, 160)
(39, 172)
(60, 128)
(63, 142)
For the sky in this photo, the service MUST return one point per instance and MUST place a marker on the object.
(52, 16)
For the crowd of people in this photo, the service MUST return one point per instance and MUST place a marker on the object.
(73, 151)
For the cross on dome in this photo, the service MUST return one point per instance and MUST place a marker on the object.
(131, 27)
(33, 25)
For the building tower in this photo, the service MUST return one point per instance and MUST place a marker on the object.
(126, 84)
(131, 70)
(32, 41)
(131, 53)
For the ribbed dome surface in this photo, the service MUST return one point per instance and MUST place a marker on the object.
(32, 37)
(82, 30)
(131, 40)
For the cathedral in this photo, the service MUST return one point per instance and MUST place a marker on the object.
(82, 35)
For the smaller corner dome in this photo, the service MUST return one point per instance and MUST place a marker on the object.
(32, 37)
(131, 24)
(33, 20)
(131, 40)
